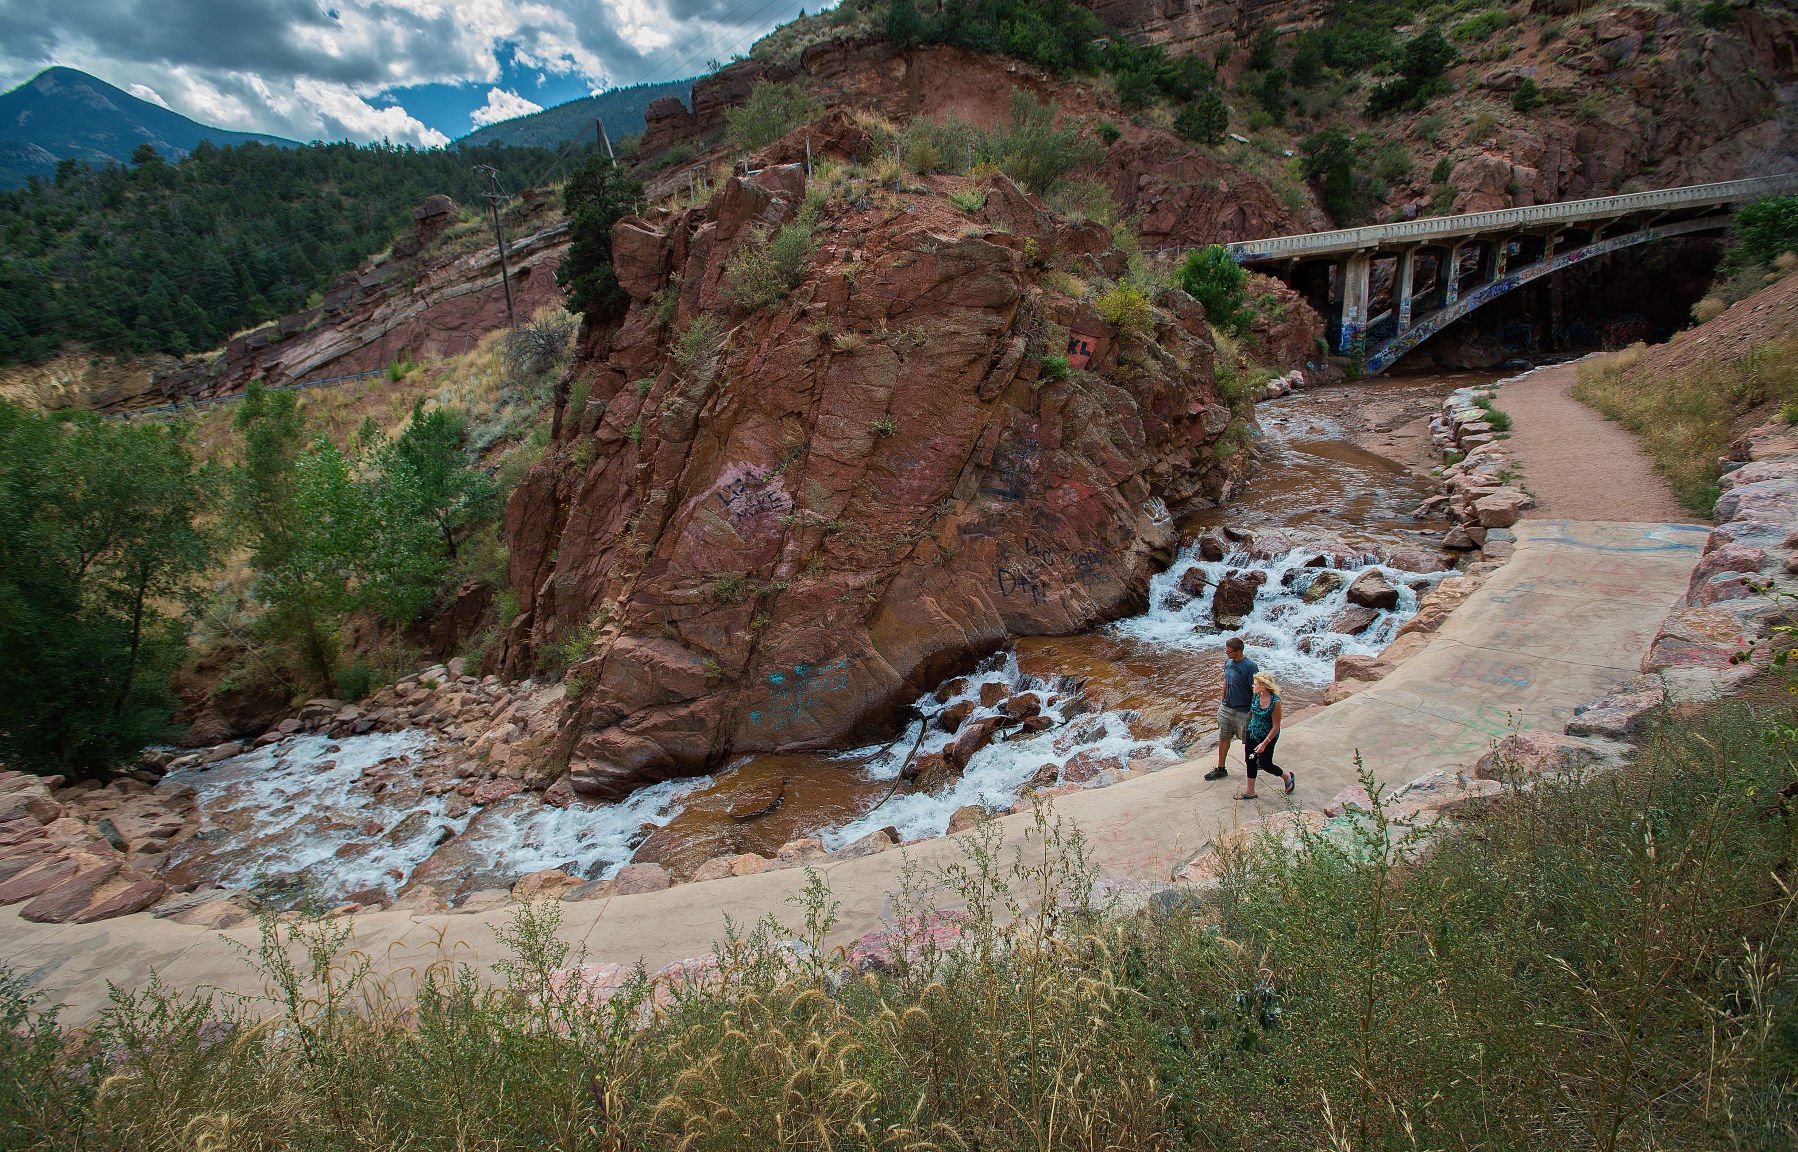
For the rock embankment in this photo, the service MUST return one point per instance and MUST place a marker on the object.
(1725, 630)
(769, 534)
(1482, 493)
(84, 852)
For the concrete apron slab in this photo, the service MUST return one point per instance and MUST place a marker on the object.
(1568, 619)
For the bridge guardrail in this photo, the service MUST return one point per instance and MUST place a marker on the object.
(1505, 219)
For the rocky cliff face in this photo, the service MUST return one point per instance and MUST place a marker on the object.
(1202, 27)
(770, 539)
(1639, 98)
(1184, 195)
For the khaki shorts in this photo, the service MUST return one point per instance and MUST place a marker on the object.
(1232, 724)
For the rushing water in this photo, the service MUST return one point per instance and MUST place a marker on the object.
(1129, 697)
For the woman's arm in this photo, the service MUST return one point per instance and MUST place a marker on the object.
(1275, 730)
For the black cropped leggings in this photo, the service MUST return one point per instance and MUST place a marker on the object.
(1263, 761)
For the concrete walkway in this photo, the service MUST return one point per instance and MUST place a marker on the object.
(1567, 620)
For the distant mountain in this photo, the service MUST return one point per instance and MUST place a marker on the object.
(621, 108)
(61, 114)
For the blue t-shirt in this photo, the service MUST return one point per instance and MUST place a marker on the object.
(1239, 683)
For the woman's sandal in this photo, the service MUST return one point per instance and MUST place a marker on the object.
(1292, 781)
(1247, 796)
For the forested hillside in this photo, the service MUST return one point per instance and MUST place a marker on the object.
(621, 108)
(175, 257)
(63, 114)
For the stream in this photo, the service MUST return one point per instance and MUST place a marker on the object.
(346, 817)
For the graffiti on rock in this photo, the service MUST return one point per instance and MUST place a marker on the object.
(797, 689)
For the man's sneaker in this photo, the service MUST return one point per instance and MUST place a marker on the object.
(1216, 774)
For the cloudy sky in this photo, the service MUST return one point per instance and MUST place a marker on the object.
(410, 71)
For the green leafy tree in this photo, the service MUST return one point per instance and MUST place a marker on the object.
(904, 26)
(1205, 120)
(375, 529)
(1421, 62)
(1765, 229)
(1212, 278)
(277, 506)
(423, 497)
(596, 197)
(1330, 166)
(100, 528)
(1271, 93)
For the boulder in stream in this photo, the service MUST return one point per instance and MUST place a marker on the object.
(1372, 590)
(1234, 597)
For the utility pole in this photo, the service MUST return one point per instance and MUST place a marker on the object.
(605, 142)
(493, 196)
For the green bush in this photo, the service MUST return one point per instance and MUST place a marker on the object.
(1212, 278)
(698, 343)
(947, 145)
(1055, 367)
(1527, 96)
(765, 268)
(1205, 120)
(1421, 62)
(904, 26)
(1601, 956)
(1127, 308)
(1329, 164)
(968, 199)
(1033, 151)
(1108, 131)
(1272, 95)
(1393, 162)
(1716, 13)
(771, 111)
(1445, 167)
(1764, 230)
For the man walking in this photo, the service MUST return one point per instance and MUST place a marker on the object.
(1233, 713)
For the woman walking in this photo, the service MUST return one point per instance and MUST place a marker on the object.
(1264, 734)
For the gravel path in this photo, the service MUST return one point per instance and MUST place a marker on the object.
(1577, 464)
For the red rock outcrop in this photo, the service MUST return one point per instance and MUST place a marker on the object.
(1185, 194)
(1196, 26)
(770, 539)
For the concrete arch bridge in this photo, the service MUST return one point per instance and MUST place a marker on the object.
(1443, 267)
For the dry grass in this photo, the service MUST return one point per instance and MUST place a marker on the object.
(1687, 417)
(1594, 962)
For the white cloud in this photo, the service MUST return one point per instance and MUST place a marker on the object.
(309, 69)
(145, 92)
(347, 115)
(502, 105)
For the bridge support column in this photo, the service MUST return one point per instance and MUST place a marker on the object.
(1451, 275)
(1357, 277)
(1401, 288)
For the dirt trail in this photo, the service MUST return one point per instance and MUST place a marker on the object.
(1577, 464)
